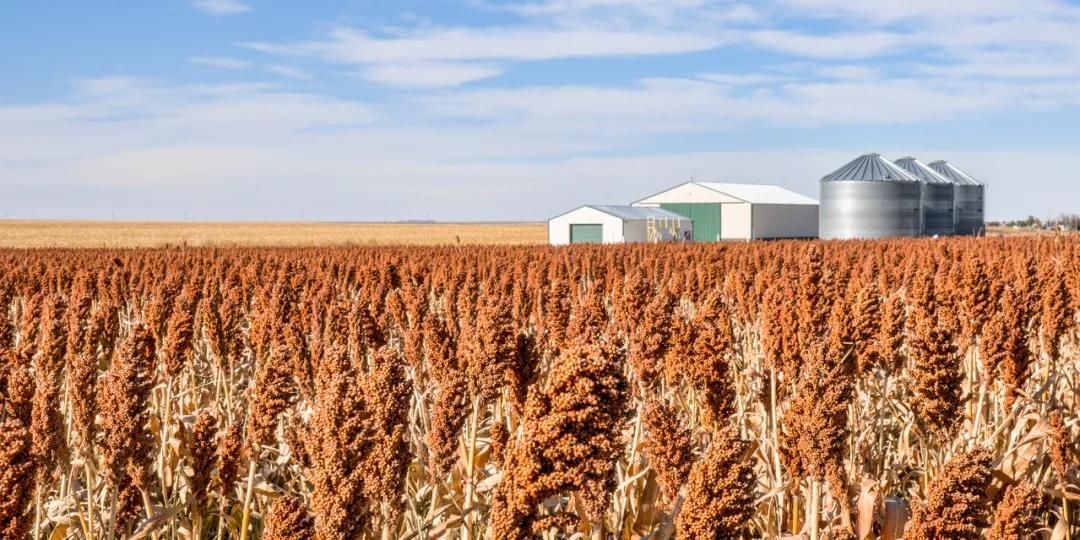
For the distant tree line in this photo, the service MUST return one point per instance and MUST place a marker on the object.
(1067, 222)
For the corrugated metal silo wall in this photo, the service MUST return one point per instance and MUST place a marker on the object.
(970, 209)
(874, 209)
(937, 210)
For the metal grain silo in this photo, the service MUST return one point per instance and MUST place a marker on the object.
(970, 198)
(938, 198)
(869, 198)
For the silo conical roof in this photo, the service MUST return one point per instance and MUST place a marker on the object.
(870, 168)
(955, 175)
(921, 171)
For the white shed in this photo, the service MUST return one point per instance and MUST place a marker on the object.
(722, 211)
(617, 224)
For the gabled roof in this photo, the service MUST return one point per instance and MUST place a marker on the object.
(628, 213)
(635, 213)
(955, 175)
(921, 171)
(870, 168)
(758, 193)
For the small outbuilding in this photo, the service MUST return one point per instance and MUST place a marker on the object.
(724, 211)
(616, 224)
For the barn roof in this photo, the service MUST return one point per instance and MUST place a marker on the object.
(759, 193)
(636, 213)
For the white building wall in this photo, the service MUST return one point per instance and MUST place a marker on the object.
(614, 230)
(735, 221)
(635, 231)
(559, 226)
(785, 221)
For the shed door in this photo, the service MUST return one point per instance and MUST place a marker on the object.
(706, 218)
(586, 233)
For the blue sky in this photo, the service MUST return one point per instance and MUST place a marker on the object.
(518, 110)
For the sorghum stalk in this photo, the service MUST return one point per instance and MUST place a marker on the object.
(127, 449)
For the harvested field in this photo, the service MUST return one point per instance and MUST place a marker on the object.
(123, 234)
(822, 390)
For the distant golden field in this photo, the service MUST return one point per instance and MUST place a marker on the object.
(121, 234)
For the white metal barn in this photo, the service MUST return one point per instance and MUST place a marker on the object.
(617, 224)
(723, 211)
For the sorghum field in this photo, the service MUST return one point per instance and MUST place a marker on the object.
(924, 389)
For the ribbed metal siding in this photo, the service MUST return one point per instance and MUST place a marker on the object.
(970, 209)
(937, 210)
(970, 197)
(870, 209)
(706, 218)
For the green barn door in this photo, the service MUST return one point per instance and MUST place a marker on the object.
(586, 234)
(706, 217)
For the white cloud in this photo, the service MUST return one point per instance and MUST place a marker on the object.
(112, 117)
(453, 56)
(883, 11)
(107, 86)
(663, 11)
(840, 45)
(221, 7)
(674, 105)
(615, 12)
(1006, 65)
(289, 72)
(220, 62)
(744, 79)
(430, 75)
(949, 33)
(549, 7)
(247, 151)
(242, 170)
(351, 46)
(849, 72)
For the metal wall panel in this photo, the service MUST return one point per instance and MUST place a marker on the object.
(938, 218)
(873, 209)
(706, 218)
(785, 221)
(970, 209)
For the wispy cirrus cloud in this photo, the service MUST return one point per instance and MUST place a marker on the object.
(832, 46)
(655, 11)
(889, 11)
(221, 7)
(949, 33)
(436, 57)
(232, 64)
(220, 62)
(289, 72)
(430, 75)
(689, 105)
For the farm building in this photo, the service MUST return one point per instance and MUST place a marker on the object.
(723, 211)
(617, 224)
